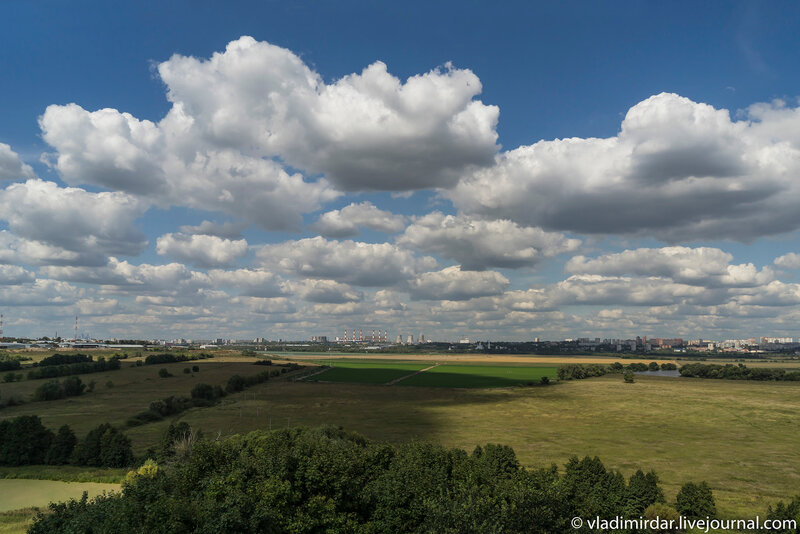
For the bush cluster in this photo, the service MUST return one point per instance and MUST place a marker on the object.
(578, 371)
(9, 364)
(202, 395)
(69, 387)
(239, 383)
(12, 377)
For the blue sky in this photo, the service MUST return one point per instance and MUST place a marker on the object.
(514, 171)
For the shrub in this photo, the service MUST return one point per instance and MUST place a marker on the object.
(628, 377)
(109, 384)
(235, 383)
(48, 391)
(72, 386)
(653, 366)
(696, 501)
(544, 381)
(196, 368)
(187, 371)
(170, 406)
(163, 373)
(203, 391)
(173, 433)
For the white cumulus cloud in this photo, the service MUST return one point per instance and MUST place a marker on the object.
(11, 166)
(479, 244)
(351, 262)
(451, 283)
(73, 219)
(347, 221)
(678, 170)
(201, 250)
(705, 266)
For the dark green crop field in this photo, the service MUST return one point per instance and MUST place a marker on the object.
(479, 376)
(367, 372)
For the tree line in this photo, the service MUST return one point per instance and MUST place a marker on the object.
(328, 480)
(168, 357)
(77, 368)
(24, 440)
(578, 371)
(737, 372)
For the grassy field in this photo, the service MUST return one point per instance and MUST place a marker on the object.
(739, 436)
(478, 376)
(20, 493)
(21, 499)
(133, 389)
(17, 521)
(367, 373)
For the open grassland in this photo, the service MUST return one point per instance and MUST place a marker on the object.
(17, 521)
(741, 437)
(133, 389)
(20, 493)
(478, 376)
(367, 373)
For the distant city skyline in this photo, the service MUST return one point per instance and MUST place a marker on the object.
(285, 170)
